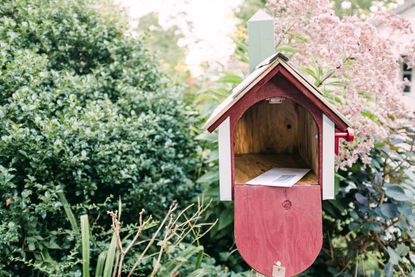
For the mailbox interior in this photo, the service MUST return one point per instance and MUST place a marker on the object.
(270, 135)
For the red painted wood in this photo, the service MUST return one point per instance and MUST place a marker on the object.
(278, 224)
(348, 136)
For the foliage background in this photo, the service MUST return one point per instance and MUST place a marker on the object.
(86, 114)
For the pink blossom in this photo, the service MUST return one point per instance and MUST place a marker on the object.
(366, 63)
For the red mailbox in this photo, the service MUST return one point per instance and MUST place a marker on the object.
(276, 119)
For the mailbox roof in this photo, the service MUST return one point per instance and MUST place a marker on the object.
(260, 72)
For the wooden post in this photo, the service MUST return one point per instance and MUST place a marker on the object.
(261, 38)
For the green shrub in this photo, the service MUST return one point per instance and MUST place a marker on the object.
(86, 111)
(369, 228)
(219, 242)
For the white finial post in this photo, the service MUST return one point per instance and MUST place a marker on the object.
(261, 38)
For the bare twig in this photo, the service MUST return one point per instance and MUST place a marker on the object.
(116, 228)
(137, 235)
(175, 231)
(356, 270)
(172, 208)
(168, 235)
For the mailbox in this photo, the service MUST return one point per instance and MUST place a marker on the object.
(276, 119)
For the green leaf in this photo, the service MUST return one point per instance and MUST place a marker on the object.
(180, 261)
(31, 246)
(53, 245)
(100, 264)
(206, 136)
(361, 199)
(373, 227)
(336, 184)
(335, 84)
(109, 262)
(394, 257)
(230, 78)
(310, 72)
(396, 192)
(286, 49)
(371, 116)
(209, 177)
(85, 245)
(389, 270)
(389, 210)
(68, 211)
(225, 219)
(405, 209)
(402, 249)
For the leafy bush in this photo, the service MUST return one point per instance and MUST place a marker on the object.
(219, 242)
(85, 111)
(369, 228)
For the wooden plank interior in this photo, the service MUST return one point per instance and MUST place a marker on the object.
(249, 166)
(267, 128)
(275, 135)
(308, 139)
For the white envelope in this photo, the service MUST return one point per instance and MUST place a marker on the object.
(279, 177)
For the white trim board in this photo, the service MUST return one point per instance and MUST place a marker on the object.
(328, 151)
(225, 172)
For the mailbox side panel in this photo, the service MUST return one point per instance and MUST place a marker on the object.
(225, 172)
(328, 158)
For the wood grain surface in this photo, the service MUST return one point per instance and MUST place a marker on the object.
(278, 224)
(308, 139)
(267, 134)
(249, 166)
(268, 128)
